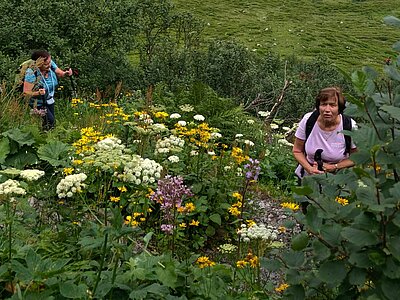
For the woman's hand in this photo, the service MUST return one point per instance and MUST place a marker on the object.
(41, 92)
(330, 168)
(68, 72)
(312, 170)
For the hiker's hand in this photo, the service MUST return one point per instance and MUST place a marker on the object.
(42, 92)
(68, 72)
(314, 169)
(330, 168)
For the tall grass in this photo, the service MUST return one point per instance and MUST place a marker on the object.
(350, 33)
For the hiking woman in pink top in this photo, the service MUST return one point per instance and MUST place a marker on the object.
(325, 137)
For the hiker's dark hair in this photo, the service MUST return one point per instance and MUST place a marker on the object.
(40, 53)
(331, 92)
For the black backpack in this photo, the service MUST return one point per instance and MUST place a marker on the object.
(346, 126)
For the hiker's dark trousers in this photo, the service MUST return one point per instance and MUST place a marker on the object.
(49, 119)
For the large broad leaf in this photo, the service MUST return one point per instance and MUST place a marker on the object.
(393, 245)
(391, 288)
(321, 251)
(21, 159)
(333, 272)
(294, 259)
(73, 291)
(300, 241)
(4, 149)
(55, 153)
(331, 233)
(392, 73)
(22, 138)
(357, 276)
(393, 111)
(359, 237)
(216, 218)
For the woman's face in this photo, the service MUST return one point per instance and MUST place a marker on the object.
(45, 65)
(329, 109)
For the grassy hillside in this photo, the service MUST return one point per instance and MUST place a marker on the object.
(351, 33)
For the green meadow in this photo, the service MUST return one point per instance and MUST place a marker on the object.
(350, 33)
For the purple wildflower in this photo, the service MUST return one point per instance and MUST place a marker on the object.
(38, 112)
(167, 228)
(253, 169)
(170, 193)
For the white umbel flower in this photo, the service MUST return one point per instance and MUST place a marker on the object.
(199, 118)
(70, 185)
(175, 116)
(31, 175)
(173, 159)
(11, 187)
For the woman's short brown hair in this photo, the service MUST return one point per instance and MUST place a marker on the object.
(331, 92)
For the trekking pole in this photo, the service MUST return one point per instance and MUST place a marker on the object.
(320, 163)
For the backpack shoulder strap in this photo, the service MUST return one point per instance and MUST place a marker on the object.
(347, 126)
(311, 122)
(309, 127)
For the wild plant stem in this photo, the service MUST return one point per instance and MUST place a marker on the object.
(103, 258)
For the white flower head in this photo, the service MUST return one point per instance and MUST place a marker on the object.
(248, 142)
(212, 153)
(250, 121)
(31, 175)
(199, 118)
(173, 158)
(11, 187)
(264, 113)
(182, 123)
(175, 116)
(216, 135)
(194, 153)
(239, 135)
(186, 108)
(274, 126)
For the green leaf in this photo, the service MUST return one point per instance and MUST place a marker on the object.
(393, 245)
(21, 159)
(357, 276)
(4, 149)
(333, 272)
(302, 190)
(393, 111)
(300, 241)
(167, 276)
(216, 218)
(72, 291)
(391, 288)
(294, 259)
(22, 138)
(391, 268)
(210, 231)
(360, 259)
(196, 188)
(331, 233)
(55, 153)
(392, 73)
(359, 237)
(321, 251)
(295, 292)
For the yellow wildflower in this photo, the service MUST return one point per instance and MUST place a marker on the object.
(122, 189)
(282, 229)
(290, 205)
(342, 201)
(68, 171)
(237, 196)
(190, 207)
(241, 264)
(181, 209)
(254, 262)
(182, 225)
(234, 211)
(114, 199)
(194, 223)
(250, 223)
(204, 261)
(281, 287)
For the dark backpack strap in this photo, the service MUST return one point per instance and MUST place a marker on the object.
(311, 122)
(347, 126)
(309, 127)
